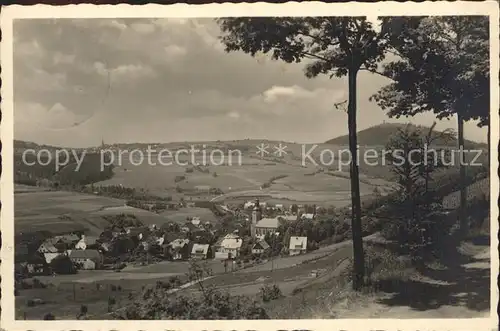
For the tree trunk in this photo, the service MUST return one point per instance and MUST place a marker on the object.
(357, 239)
(463, 188)
(489, 145)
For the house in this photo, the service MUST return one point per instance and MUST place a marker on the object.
(266, 225)
(88, 259)
(307, 216)
(179, 249)
(200, 251)
(87, 242)
(196, 221)
(47, 247)
(298, 245)
(260, 247)
(229, 247)
(288, 218)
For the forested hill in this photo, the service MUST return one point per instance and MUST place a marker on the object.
(378, 135)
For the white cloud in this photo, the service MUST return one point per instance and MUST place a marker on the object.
(60, 58)
(35, 116)
(174, 51)
(113, 24)
(131, 71)
(143, 28)
(234, 115)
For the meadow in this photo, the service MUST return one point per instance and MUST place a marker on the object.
(63, 212)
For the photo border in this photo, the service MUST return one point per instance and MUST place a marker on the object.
(388, 8)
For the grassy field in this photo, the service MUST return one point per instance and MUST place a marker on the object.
(38, 210)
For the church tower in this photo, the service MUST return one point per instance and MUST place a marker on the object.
(256, 215)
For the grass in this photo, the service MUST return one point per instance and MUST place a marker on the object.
(39, 210)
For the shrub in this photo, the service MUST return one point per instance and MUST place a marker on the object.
(269, 293)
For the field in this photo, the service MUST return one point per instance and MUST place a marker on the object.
(287, 179)
(37, 210)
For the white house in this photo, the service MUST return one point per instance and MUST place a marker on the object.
(86, 242)
(298, 245)
(85, 259)
(229, 247)
(50, 256)
(307, 216)
(200, 251)
(196, 221)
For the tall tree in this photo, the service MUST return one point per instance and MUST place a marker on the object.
(441, 65)
(334, 46)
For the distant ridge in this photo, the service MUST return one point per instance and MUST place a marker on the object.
(378, 135)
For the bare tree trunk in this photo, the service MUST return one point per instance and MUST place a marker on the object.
(489, 145)
(463, 188)
(357, 239)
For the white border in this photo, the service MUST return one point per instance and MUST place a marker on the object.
(487, 8)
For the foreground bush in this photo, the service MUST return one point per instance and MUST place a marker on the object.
(269, 293)
(211, 304)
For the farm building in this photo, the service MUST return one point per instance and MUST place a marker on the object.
(200, 251)
(229, 247)
(260, 247)
(88, 259)
(298, 245)
(87, 242)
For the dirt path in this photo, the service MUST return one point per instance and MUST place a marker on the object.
(460, 290)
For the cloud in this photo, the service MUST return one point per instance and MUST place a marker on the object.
(168, 80)
(143, 28)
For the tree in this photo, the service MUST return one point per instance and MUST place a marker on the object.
(335, 46)
(62, 265)
(442, 65)
(415, 217)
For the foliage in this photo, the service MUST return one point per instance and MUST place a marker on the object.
(63, 265)
(49, 316)
(269, 293)
(442, 65)
(415, 214)
(209, 303)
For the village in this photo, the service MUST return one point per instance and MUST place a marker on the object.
(126, 241)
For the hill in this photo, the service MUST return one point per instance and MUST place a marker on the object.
(378, 136)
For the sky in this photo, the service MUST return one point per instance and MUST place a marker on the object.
(78, 82)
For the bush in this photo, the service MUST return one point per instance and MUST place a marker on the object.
(269, 293)
(158, 304)
(63, 265)
(49, 316)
